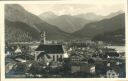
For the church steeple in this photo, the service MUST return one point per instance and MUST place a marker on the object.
(43, 37)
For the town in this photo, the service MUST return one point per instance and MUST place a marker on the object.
(63, 59)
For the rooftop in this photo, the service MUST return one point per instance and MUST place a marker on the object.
(51, 49)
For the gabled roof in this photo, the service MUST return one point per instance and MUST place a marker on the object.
(51, 49)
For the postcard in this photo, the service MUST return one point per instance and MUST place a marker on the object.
(64, 40)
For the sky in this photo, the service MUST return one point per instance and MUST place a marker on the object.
(99, 7)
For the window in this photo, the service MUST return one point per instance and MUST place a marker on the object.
(53, 58)
(57, 57)
(61, 57)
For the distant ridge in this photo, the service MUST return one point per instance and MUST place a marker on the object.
(66, 23)
(22, 20)
(21, 25)
(96, 29)
(73, 23)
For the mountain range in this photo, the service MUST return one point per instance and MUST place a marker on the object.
(21, 25)
(102, 26)
(66, 23)
(113, 28)
(18, 19)
(72, 23)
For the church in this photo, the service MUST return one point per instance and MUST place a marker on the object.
(49, 52)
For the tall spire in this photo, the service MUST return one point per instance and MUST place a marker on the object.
(43, 37)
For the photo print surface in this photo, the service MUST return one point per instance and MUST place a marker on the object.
(65, 40)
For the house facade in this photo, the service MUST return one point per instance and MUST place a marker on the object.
(86, 68)
(49, 52)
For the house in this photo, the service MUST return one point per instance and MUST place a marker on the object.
(119, 49)
(18, 50)
(83, 67)
(75, 59)
(9, 50)
(113, 71)
(101, 67)
(9, 66)
(110, 53)
(66, 55)
(78, 45)
(112, 74)
(49, 52)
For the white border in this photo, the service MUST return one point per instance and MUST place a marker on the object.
(53, 79)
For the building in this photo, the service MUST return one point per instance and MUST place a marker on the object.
(110, 53)
(83, 67)
(119, 49)
(9, 66)
(18, 50)
(75, 59)
(48, 52)
(78, 45)
(52, 52)
(101, 66)
(112, 74)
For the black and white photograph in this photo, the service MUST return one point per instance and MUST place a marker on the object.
(65, 40)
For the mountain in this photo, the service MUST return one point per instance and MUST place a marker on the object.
(66, 23)
(95, 29)
(72, 23)
(48, 15)
(21, 25)
(113, 14)
(94, 17)
(18, 20)
(116, 37)
(90, 16)
(19, 31)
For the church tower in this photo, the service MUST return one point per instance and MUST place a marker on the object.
(43, 37)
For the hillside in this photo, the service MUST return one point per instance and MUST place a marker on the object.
(21, 25)
(66, 23)
(116, 37)
(23, 21)
(107, 25)
(73, 23)
(90, 17)
(19, 31)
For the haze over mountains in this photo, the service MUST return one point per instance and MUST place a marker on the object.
(21, 25)
(66, 23)
(72, 23)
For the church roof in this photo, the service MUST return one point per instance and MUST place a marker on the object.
(51, 49)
